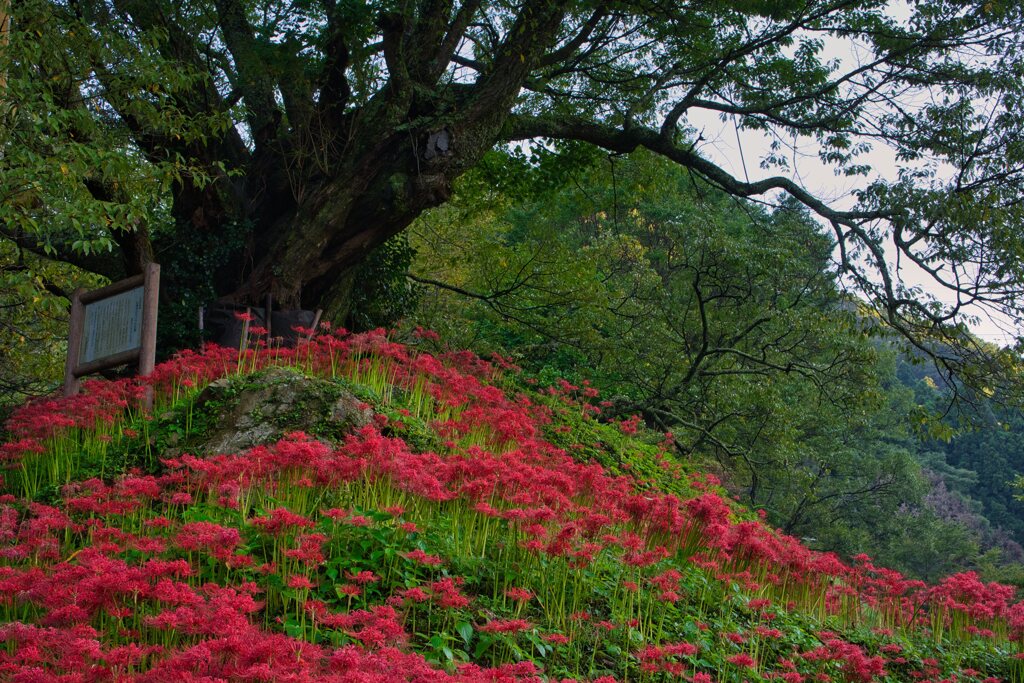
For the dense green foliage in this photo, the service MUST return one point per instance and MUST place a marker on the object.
(33, 323)
(382, 294)
(990, 450)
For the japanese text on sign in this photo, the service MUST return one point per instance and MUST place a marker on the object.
(112, 325)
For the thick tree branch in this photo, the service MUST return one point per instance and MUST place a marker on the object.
(525, 127)
(334, 88)
(108, 263)
(448, 47)
(569, 48)
(253, 72)
(199, 100)
(393, 26)
(455, 289)
(534, 30)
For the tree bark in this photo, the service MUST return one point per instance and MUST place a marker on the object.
(404, 150)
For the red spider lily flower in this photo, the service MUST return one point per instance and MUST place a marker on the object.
(309, 550)
(765, 632)
(279, 520)
(742, 660)
(363, 577)
(505, 626)
(299, 581)
(414, 594)
(447, 594)
(519, 594)
(351, 590)
(220, 542)
(418, 555)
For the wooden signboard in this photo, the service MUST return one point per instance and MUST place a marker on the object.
(111, 326)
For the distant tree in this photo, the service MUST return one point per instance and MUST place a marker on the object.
(994, 451)
(292, 138)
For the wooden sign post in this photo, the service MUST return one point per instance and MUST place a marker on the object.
(111, 326)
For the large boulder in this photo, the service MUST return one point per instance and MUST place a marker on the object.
(242, 412)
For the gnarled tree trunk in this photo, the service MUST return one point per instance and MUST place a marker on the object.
(326, 183)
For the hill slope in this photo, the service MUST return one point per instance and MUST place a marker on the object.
(433, 520)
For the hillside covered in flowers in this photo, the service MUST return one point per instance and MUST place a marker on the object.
(463, 524)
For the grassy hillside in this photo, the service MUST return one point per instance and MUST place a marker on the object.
(436, 518)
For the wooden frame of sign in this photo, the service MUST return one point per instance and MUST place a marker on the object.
(111, 326)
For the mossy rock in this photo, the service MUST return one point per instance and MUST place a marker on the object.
(259, 409)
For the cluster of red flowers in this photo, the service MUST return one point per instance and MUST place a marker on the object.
(663, 658)
(117, 581)
(855, 663)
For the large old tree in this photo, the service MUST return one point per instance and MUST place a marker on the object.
(294, 137)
